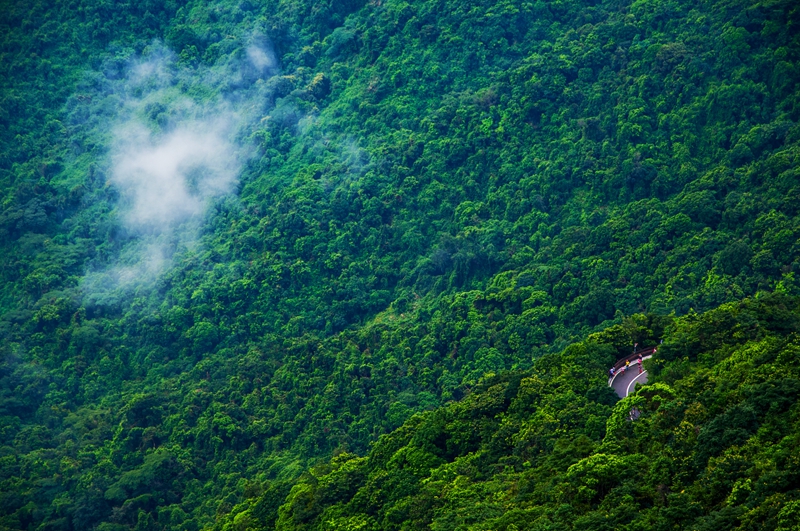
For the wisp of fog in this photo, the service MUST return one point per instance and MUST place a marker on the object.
(171, 155)
(168, 179)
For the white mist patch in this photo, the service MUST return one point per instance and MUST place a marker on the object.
(138, 267)
(168, 179)
(149, 261)
(354, 156)
(175, 147)
(261, 57)
(154, 71)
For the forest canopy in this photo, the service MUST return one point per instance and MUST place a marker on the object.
(288, 263)
(714, 445)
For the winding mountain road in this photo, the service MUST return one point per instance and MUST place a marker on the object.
(625, 382)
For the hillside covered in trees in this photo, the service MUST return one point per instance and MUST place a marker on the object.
(363, 265)
(715, 445)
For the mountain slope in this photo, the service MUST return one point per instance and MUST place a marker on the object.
(715, 445)
(425, 193)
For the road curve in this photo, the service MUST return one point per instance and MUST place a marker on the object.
(624, 383)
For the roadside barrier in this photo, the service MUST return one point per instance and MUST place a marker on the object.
(620, 366)
(645, 352)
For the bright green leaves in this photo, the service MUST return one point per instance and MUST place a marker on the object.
(441, 191)
(694, 454)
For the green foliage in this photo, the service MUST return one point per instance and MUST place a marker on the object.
(439, 193)
(716, 449)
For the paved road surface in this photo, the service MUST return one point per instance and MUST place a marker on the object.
(625, 383)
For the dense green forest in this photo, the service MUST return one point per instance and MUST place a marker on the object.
(715, 446)
(363, 265)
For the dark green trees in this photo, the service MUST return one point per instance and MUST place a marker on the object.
(431, 193)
